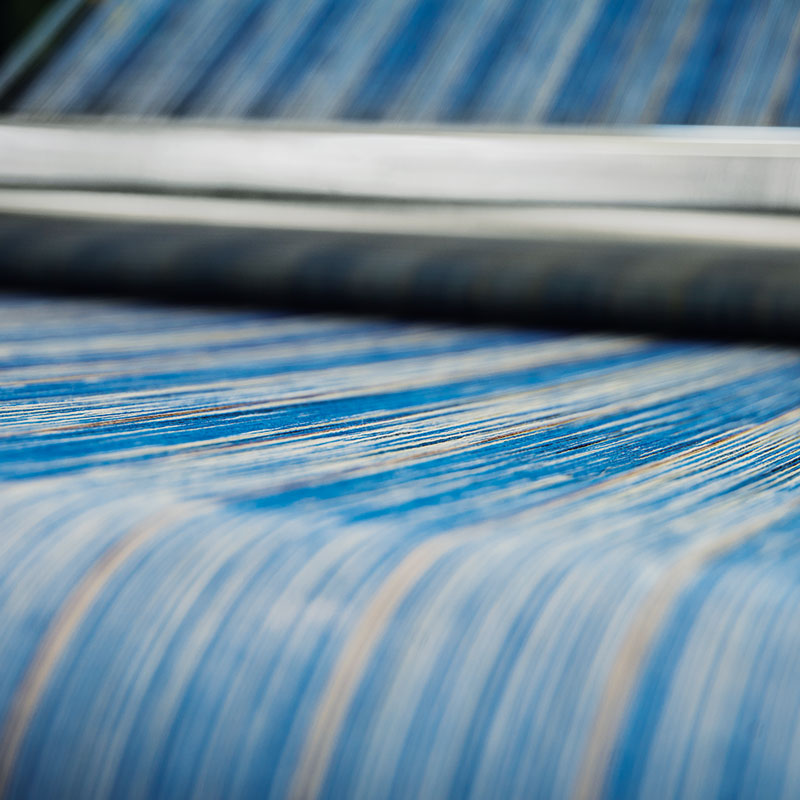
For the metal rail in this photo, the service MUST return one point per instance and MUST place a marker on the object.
(698, 168)
(689, 230)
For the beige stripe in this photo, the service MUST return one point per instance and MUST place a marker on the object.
(61, 631)
(674, 60)
(782, 84)
(348, 672)
(569, 44)
(635, 648)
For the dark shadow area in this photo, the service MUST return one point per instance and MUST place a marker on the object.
(17, 17)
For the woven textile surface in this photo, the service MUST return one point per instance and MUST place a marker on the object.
(249, 554)
(254, 553)
(509, 61)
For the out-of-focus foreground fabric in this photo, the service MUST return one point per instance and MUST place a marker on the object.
(263, 554)
(251, 555)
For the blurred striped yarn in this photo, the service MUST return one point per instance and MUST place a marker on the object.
(251, 554)
(496, 61)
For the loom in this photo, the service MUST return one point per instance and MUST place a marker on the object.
(400, 400)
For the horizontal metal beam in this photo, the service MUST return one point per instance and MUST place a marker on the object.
(695, 168)
(690, 230)
(675, 270)
(466, 223)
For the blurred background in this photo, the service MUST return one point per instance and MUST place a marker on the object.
(490, 61)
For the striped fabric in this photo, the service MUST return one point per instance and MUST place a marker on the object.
(258, 554)
(509, 61)
(264, 555)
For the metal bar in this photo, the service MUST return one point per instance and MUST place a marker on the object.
(678, 230)
(721, 168)
(465, 223)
